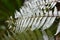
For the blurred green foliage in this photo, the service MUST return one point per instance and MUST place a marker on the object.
(7, 9)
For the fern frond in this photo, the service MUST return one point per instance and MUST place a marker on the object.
(36, 14)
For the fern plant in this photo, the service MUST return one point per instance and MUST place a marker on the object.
(37, 14)
(36, 19)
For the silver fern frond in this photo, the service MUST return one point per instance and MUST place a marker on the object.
(36, 14)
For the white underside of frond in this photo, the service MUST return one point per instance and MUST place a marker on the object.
(45, 36)
(58, 29)
(33, 15)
